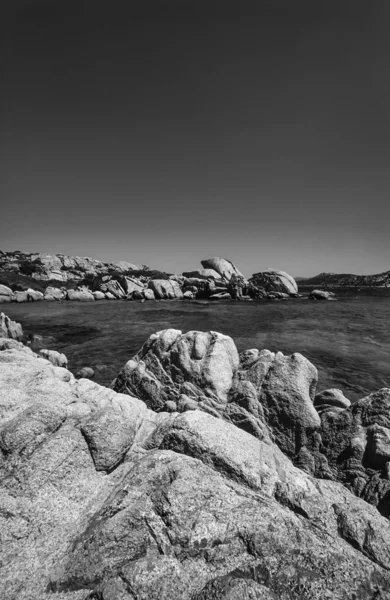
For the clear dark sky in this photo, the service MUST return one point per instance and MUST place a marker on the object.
(163, 132)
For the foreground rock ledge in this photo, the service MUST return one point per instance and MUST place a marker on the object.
(103, 498)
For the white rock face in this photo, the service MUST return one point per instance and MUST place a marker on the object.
(170, 364)
(6, 294)
(275, 281)
(10, 329)
(56, 358)
(99, 495)
(21, 296)
(83, 296)
(224, 267)
(53, 293)
(165, 289)
(132, 285)
(202, 274)
(34, 295)
(98, 295)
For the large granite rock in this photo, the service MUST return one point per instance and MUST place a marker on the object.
(165, 289)
(21, 296)
(10, 329)
(224, 267)
(115, 288)
(53, 294)
(132, 285)
(81, 295)
(6, 294)
(275, 281)
(197, 364)
(98, 295)
(202, 274)
(260, 392)
(34, 295)
(102, 498)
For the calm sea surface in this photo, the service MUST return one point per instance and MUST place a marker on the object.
(347, 340)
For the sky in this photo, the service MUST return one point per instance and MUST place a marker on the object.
(162, 132)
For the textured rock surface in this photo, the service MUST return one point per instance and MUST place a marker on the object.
(98, 295)
(259, 392)
(224, 267)
(115, 288)
(6, 294)
(202, 274)
(275, 281)
(165, 289)
(331, 399)
(102, 498)
(47, 267)
(34, 295)
(53, 293)
(198, 364)
(321, 295)
(10, 329)
(82, 296)
(56, 358)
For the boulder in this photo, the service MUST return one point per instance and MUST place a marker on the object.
(286, 393)
(6, 294)
(34, 295)
(85, 373)
(10, 329)
(220, 296)
(224, 267)
(56, 358)
(52, 293)
(321, 295)
(115, 288)
(188, 295)
(198, 364)
(20, 296)
(330, 399)
(202, 274)
(102, 498)
(275, 281)
(131, 285)
(79, 295)
(98, 295)
(110, 296)
(149, 294)
(165, 289)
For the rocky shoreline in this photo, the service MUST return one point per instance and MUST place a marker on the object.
(30, 278)
(201, 474)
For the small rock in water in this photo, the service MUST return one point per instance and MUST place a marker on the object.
(321, 295)
(85, 373)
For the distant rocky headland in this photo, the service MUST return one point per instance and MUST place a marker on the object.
(338, 280)
(201, 474)
(33, 277)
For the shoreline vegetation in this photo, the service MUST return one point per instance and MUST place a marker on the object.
(180, 481)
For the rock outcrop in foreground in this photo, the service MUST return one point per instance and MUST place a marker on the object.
(103, 498)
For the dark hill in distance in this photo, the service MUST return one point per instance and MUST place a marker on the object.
(346, 280)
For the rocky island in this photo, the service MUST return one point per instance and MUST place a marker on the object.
(200, 474)
(33, 277)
